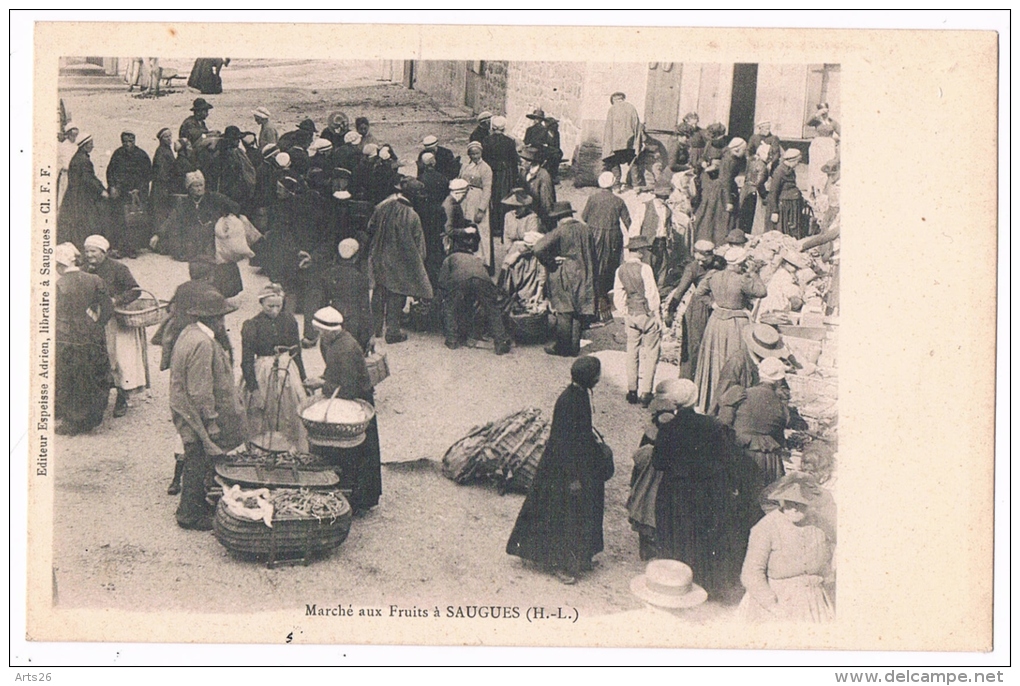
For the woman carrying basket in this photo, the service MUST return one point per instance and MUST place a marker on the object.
(346, 377)
(126, 345)
(272, 374)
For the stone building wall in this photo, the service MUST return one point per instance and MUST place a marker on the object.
(492, 88)
(444, 80)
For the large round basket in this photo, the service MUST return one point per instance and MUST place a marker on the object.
(529, 328)
(143, 312)
(289, 537)
(338, 435)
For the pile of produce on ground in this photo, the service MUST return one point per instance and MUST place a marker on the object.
(505, 452)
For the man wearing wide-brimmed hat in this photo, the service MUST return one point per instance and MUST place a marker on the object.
(194, 127)
(568, 253)
(204, 404)
(539, 184)
(741, 367)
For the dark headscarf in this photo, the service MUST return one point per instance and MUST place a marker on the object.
(585, 371)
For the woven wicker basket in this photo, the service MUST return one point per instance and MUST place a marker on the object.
(337, 435)
(144, 312)
(289, 536)
(529, 328)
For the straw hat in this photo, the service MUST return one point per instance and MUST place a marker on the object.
(735, 255)
(261, 112)
(482, 116)
(771, 369)
(668, 583)
(429, 141)
(458, 184)
(703, 245)
(328, 319)
(791, 154)
(764, 341)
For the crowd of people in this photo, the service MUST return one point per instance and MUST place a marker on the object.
(353, 238)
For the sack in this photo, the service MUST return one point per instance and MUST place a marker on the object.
(378, 369)
(251, 234)
(606, 467)
(134, 211)
(231, 240)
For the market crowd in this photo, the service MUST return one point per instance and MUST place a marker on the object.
(713, 241)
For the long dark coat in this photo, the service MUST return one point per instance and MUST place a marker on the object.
(557, 526)
(164, 184)
(398, 253)
(571, 284)
(500, 152)
(706, 502)
(80, 212)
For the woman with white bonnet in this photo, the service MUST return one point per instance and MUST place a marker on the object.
(81, 377)
(126, 345)
(607, 216)
(478, 174)
(788, 570)
(759, 416)
(271, 375)
(733, 292)
(346, 374)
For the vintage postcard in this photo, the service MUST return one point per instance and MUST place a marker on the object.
(512, 336)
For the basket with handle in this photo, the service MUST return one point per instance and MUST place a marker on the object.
(144, 311)
(336, 434)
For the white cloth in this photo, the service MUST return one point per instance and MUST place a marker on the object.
(275, 405)
(781, 288)
(126, 349)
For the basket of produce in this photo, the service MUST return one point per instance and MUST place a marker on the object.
(282, 523)
(337, 423)
(143, 312)
(529, 327)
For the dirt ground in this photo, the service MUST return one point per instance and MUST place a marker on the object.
(431, 541)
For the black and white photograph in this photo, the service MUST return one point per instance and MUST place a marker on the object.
(446, 351)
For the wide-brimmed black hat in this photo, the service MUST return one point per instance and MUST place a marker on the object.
(200, 104)
(307, 125)
(211, 304)
(537, 115)
(518, 198)
(561, 208)
(531, 154)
